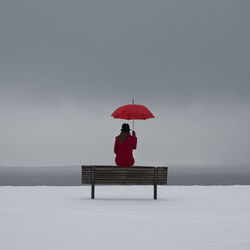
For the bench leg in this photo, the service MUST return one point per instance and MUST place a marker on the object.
(92, 191)
(155, 182)
(93, 183)
(155, 191)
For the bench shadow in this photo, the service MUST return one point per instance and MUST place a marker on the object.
(125, 199)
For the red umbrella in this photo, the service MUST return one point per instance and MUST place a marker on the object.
(132, 112)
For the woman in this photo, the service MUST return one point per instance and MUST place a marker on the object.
(124, 145)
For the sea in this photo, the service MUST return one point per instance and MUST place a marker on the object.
(177, 175)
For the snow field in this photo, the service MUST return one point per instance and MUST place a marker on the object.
(125, 217)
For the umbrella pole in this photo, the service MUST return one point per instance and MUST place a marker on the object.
(133, 123)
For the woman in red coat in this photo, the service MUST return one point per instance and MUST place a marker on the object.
(124, 146)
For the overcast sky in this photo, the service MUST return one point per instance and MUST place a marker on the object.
(66, 65)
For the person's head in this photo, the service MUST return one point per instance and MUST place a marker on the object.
(125, 127)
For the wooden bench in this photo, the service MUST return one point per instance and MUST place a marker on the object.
(113, 175)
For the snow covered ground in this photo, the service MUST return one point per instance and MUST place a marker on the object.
(125, 217)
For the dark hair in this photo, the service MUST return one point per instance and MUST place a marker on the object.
(125, 127)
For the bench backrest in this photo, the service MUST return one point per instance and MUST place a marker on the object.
(114, 175)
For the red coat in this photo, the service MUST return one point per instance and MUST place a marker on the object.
(124, 155)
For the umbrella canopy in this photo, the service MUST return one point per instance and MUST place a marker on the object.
(132, 112)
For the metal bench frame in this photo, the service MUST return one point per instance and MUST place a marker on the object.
(113, 175)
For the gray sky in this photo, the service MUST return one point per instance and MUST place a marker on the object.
(66, 65)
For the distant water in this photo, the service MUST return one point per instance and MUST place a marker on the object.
(71, 176)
